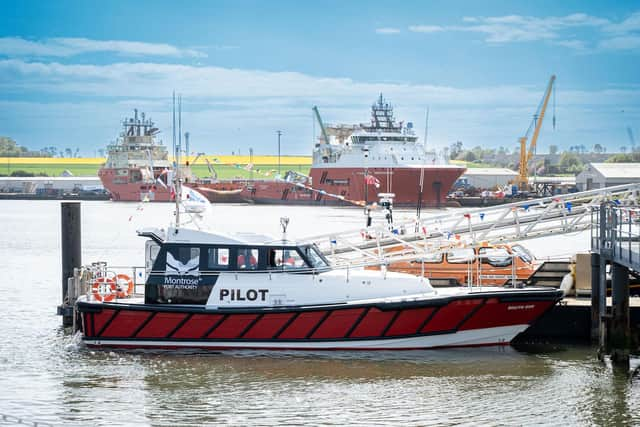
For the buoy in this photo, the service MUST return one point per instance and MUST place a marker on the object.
(124, 285)
(104, 289)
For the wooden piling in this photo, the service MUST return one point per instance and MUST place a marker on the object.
(71, 237)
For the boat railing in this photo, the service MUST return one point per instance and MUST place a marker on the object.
(102, 282)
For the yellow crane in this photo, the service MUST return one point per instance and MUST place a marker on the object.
(525, 156)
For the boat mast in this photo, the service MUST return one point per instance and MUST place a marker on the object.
(176, 160)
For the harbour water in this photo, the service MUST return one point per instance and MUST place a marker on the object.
(48, 376)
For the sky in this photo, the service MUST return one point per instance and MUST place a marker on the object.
(70, 71)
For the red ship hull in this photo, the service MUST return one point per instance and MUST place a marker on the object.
(121, 189)
(473, 320)
(349, 183)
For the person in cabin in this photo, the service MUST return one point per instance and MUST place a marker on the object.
(246, 259)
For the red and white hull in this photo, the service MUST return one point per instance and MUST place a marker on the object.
(473, 319)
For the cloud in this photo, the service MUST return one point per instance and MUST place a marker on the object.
(387, 30)
(558, 30)
(227, 108)
(426, 28)
(630, 42)
(152, 81)
(67, 47)
(630, 24)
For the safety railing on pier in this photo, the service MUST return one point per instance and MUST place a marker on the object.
(498, 224)
(618, 236)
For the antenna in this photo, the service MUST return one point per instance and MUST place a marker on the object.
(284, 223)
(426, 130)
(179, 124)
(173, 127)
(186, 144)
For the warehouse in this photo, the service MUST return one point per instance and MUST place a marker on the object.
(600, 175)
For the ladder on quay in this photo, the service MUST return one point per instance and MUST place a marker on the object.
(506, 223)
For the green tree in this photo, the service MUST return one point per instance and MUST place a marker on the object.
(570, 163)
(455, 150)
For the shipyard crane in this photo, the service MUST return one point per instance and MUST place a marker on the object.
(322, 128)
(525, 156)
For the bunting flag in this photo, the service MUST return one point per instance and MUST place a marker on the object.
(468, 216)
(482, 216)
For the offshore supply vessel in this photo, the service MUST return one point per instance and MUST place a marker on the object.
(358, 162)
(138, 168)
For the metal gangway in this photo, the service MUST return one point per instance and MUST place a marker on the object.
(506, 223)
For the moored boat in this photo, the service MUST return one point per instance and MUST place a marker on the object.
(137, 166)
(358, 162)
(209, 291)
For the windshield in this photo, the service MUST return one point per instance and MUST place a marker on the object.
(497, 257)
(314, 257)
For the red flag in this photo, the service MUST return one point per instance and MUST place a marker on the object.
(372, 180)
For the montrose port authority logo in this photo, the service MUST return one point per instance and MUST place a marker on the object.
(188, 272)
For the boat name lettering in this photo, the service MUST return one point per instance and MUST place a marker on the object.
(180, 281)
(521, 307)
(240, 295)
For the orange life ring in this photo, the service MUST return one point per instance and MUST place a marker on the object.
(124, 285)
(100, 285)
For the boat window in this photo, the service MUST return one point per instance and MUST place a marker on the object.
(218, 258)
(456, 256)
(247, 259)
(285, 259)
(522, 253)
(497, 257)
(314, 257)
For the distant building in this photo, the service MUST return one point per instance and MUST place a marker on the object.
(600, 175)
(488, 178)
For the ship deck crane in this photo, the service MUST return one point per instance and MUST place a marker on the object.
(526, 155)
(322, 128)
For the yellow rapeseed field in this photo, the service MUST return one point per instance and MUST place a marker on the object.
(243, 160)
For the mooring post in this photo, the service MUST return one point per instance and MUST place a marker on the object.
(595, 297)
(620, 331)
(71, 236)
(602, 282)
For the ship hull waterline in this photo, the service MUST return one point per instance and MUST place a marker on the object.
(473, 320)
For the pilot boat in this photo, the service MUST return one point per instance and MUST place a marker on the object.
(212, 291)
(216, 291)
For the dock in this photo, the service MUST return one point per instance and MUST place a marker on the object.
(570, 321)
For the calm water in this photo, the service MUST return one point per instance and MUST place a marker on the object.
(47, 376)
